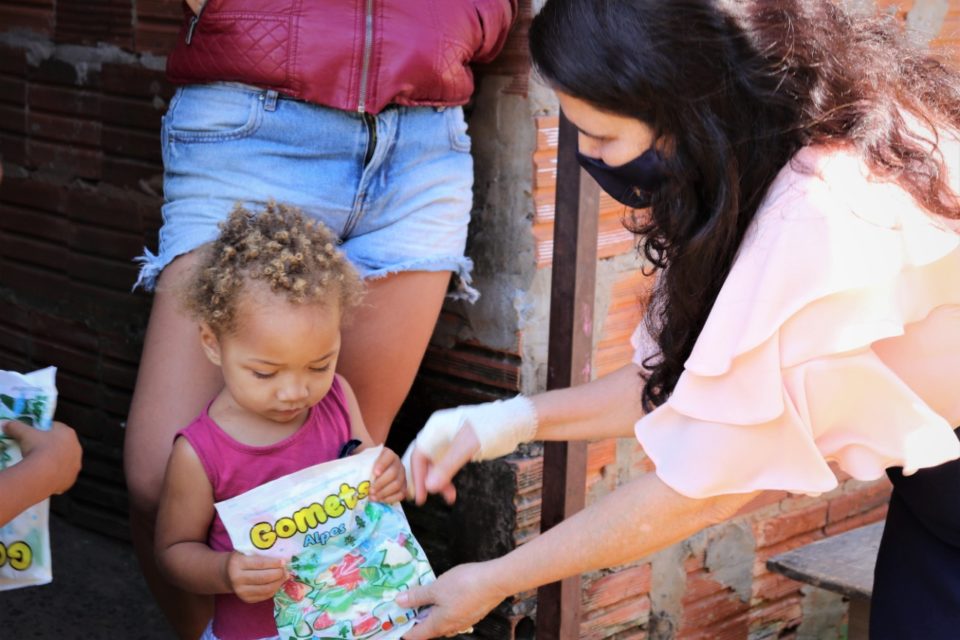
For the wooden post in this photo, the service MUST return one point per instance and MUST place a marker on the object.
(569, 363)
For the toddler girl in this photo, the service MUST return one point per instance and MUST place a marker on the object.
(268, 296)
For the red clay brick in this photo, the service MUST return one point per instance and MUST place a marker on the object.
(621, 585)
(700, 585)
(158, 25)
(64, 331)
(119, 209)
(773, 586)
(29, 251)
(136, 81)
(73, 101)
(709, 611)
(88, 422)
(734, 628)
(76, 361)
(789, 611)
(62, 72)
(108, 304)
(106, 243)
(14, 341)
(35, 18)
(67, 161)
(12, 90)
(634, 612)
(874, 515)
(14, 362)
(73, 387)
(124, 172)
(111, 274)
(26, 226)
(14, 151)
(117, 374)
(115, 401)
(123, 348)
(134, 113)
(599, 455)
(13, 120)
(156, 37)
(18, 315)
(864, 499)
(764, 554)
(32, 193)
(60, 129)
(95, 21)
(130, 143)
(789, 525)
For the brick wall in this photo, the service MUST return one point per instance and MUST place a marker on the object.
(81, 96)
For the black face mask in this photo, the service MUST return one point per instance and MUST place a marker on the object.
(633, 183)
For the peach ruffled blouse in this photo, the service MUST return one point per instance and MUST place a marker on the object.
(836, 337)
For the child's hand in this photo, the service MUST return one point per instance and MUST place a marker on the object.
(389, 478)
(255, 578)
(57, 452)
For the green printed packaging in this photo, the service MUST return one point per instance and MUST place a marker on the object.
(25, 540)
(348, 557)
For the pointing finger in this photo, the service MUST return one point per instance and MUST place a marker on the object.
(461, 451)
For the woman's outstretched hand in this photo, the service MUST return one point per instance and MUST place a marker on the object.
(428, 476)
(453, 437)
(457, 599)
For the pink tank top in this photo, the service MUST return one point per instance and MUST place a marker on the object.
(234, 468)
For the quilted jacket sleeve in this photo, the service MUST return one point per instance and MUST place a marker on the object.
(496, 17)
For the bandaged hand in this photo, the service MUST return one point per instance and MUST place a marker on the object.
(453, 437)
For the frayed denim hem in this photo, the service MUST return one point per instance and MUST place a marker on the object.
(150, 267)
(462, 267)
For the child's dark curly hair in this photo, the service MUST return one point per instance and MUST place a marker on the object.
(279, 247)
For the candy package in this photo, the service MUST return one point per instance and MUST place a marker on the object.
(348, 557)
(25, 540)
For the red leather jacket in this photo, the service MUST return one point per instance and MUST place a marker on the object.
(356, 55)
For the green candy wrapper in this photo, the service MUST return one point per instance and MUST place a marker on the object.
(349, 557)
(25, 540)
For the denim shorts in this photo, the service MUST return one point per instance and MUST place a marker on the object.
(396, 188)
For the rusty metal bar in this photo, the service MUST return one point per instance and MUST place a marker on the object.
(569, 363)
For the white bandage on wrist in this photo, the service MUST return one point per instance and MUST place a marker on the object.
(500, 427)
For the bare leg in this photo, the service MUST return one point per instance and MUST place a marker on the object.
(175, 382)
(385, 340)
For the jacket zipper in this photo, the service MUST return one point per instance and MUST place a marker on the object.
(367, 52)
(194, 20)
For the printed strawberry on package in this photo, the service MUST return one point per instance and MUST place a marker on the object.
(348, 557)
(25, 541)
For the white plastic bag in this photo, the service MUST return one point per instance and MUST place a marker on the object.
(349, 557)
(25, 540)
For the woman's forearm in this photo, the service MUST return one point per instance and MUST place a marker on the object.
(604, 408)
(637, 519)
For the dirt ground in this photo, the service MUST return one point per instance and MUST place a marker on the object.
(97, 593)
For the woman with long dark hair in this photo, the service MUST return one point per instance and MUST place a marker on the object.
(788, 161)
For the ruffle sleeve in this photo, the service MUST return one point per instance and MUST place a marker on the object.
(836, 337)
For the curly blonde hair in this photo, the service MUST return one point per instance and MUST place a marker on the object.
(279, 247)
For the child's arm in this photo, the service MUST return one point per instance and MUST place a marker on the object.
(389, 478)
(186, 511)
(51, 462)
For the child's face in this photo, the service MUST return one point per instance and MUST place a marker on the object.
(280, 360)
